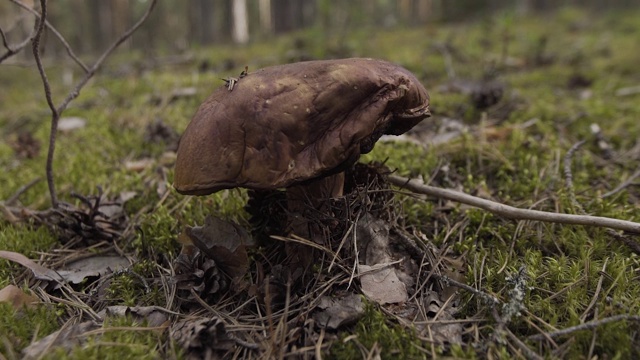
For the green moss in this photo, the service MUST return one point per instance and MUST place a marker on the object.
(18, 328)
(119, 338)
(376, 330)
(25, 240)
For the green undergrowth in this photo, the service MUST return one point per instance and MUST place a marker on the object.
(375, 331)
(19, 327)
(119, 338)
(514, 156)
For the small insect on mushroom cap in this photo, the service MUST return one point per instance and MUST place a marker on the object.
(285, 124)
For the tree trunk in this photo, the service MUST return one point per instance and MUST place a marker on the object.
(120, 22)
(266, 23)
(240, 22)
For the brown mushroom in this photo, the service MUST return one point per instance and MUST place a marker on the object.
(296, 126)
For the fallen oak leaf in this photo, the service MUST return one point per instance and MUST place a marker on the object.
(39, 271)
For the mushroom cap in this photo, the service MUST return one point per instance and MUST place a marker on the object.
(286, 124)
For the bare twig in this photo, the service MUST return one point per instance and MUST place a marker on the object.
(11, 200)
(35, 42)
(585, 326)
(12, 50)
(520, 345)
(64, 42)
(56, 112)
(488, 298)
(568, 177)
(620, 187)
(511, 212)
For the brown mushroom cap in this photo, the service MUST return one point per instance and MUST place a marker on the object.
(286, 124)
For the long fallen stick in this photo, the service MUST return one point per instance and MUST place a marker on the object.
(512, 212)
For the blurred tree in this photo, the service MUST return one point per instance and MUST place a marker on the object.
(201, 21)
(266, 15)
(240, 22)
(90, 25)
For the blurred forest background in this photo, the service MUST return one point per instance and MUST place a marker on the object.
(179, 25)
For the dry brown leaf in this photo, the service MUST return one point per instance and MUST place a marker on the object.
(39, 271)
(154, 315)
(18, 298)
(67, 337)
(94, 266)
(379, 280)
(224, 242)
(383, 285)
(339, 312)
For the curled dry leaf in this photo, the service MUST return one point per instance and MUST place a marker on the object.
(39, 271)
(94, 266)
(224, 242)
(339, 312)
(16, 297)
(440, 329)
(67, 337)
(379, 281)
(213, 257)
(154, 315)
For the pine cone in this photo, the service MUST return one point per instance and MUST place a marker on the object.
(197, 272)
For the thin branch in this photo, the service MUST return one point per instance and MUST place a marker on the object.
(620, 187)
(520, 345)
(89, 72)
(488, 298)
(585, 326)
(511, 212)
(55, 115)
(568, 177)
(12, 50)
(64, 42)
(13, 198)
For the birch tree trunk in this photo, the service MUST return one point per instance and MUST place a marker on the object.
(240, 31)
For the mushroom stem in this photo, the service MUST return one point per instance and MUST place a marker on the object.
(305, 202)
(305, 199)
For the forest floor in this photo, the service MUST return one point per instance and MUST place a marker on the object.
(537, 112)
